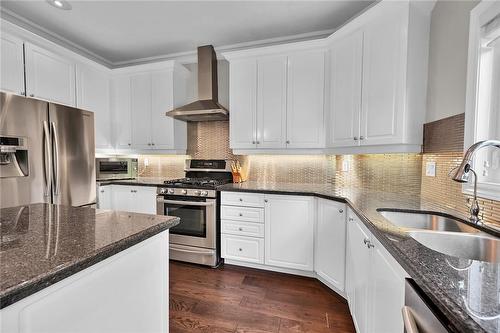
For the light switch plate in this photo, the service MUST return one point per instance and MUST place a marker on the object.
(430, 169)
(346, 165)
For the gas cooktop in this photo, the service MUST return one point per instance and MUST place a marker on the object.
(204, 182)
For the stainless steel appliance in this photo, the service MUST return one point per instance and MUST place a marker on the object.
(418, 317)
(207, 107)
(195, 200)
(116, 168)
(47, 153)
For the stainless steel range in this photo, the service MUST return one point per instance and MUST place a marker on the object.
(194, 199)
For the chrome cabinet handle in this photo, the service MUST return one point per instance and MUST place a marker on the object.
(32, 95)
(240, 229)
(241, 199)
(47, 160)
(287, 142)
(341, 210)
(409, 321)
(22, 93)
(361, 137)
(351, 219)
(258, 142)
(240, 249)
(355, 138)
(253, 142)
(152, 144)
(57, 181)
(241, 214)
(130, 144)
(368, 243)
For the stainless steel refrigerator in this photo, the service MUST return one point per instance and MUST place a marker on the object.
(47, 153)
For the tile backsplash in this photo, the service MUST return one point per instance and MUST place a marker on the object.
(384, 172)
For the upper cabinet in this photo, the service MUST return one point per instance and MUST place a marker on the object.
(49, 76)
(12, 65)
(141, 96)
(378, 78)
(92, 94)
(361, 90)
(276, 98)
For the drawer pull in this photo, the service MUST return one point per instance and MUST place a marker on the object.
(241, 199)
(241, 214)
(240, 229)
(240, 249)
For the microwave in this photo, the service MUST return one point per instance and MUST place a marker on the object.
(116, 168)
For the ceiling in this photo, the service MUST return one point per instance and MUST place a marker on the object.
(122, 32)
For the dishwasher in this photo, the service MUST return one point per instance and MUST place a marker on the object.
(418, 316)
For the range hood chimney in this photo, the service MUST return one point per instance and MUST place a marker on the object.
(207, 107)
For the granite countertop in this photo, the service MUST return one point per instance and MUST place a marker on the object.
(41, 244)
(466, 291)
(140, 181)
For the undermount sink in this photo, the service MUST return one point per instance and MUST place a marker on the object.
(426, 221)
(462, 245)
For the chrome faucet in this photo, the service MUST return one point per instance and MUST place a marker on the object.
(464, 170)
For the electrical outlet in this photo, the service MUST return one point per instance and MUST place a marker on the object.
(146, 162)
(346, 165)
(430, 169)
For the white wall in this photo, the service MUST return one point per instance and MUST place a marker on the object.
(448, 58)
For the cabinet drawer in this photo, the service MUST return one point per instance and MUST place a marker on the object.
(243, 248)
(249, 214)
(242, 228)
(242, 199)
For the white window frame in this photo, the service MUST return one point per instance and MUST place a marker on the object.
(484, 12)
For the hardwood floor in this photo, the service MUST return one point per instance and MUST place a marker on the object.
(237, 299)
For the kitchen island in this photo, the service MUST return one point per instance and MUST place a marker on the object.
(78, 269)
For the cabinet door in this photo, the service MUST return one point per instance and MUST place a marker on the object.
(387, 291)
(329, 261)
(93, 95)
(162, 127)
(242, 103)
(289, 231)
(12, 65)
(271, 102)
(123, 198)
(144, 199)
(140, 104)
(120, 105)
(357, 275)
(345, 90)
(383, 79)
(305, 105)
(49, 76)
(105, 197)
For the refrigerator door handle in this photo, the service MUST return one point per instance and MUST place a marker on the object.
(56, 181)
(47, 159)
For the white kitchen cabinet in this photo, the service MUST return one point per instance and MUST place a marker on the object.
(329, 261)
(240, 248)
(271, 101)
(140, 105)
(375, 282)
(129, 198)
(49, 76)
(242, 103)
(345, 90)
(358, 272)
(378, 78)
(105, 197)
(384, 76)
(305, 99)
(289, 231)
(140, 98)
(121, 112)
(93, 94)
(12, 64)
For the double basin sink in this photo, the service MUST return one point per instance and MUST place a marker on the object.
(446, 235)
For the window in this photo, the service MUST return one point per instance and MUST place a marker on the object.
(483, 95)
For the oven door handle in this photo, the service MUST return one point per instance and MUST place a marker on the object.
(186, 203)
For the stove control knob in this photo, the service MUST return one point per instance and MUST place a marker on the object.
(197, 192)
(171, 191)
(184, 192)
(204, 193)
(162, 190)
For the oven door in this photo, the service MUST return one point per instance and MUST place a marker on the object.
(198, 219)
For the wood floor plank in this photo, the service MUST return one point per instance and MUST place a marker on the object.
(245, 300)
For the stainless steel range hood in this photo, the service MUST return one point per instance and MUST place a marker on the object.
(207, 107)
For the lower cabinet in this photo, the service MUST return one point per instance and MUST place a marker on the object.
(329, 253)
(248, 249)
(374, 282)
(128, 198)
(289, 234)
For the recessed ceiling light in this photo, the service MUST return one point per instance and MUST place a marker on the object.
(61, 4)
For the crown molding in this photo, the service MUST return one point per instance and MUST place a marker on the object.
(23, 23)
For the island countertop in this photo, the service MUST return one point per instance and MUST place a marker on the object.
(466, 291)
(41, 244)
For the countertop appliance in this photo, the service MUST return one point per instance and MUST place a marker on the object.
(113, 168)
(195, 200)
(207, 107)
(418, 316)
(47, 153)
